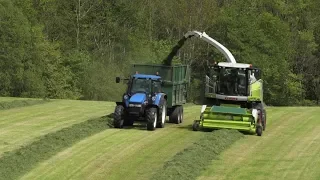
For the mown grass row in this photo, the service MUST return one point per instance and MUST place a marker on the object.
(16, 163)
(189, 163)
(21, 103)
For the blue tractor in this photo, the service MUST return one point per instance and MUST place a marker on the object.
(152, 97)
(143, 98)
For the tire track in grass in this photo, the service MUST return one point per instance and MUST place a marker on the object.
(14, 164)
(121, 156)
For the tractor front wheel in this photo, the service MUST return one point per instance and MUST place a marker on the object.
(118, 116)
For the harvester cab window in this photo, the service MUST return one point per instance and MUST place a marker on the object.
(233, 81)
(140, 85)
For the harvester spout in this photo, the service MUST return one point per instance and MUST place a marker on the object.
(213, 42)
(205, 37)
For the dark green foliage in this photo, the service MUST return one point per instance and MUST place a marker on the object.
(74, 49)
(13, 164)
(189, 163)
(21, 103)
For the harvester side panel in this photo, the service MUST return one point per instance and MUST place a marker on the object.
(257, 91)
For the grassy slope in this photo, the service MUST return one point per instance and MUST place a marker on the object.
(20, 126)
(289, 149)
(120, 154)
(9, 99)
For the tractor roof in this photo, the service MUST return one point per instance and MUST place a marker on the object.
(234, 65)
(147, 76)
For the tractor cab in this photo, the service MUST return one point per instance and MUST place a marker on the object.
(142, 83)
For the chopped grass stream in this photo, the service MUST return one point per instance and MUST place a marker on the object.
(14, 164)
(189, 163)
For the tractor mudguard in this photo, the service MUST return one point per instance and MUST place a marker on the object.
(159, 98)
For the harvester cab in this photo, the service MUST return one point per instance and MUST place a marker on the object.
(233, 94)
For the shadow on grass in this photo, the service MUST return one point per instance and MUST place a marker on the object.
(138, 125)
(189, 128)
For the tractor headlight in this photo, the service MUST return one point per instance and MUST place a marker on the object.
(153, 98)
(125, 97)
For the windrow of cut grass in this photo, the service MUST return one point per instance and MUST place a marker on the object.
(21, 103)
(15, 163)
(189, 163)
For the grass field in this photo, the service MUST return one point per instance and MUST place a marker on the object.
(288, 149)
(19, 126)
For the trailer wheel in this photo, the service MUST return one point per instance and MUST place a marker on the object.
(118, 116)
(181, 114)
(175, 115)
(151, 117)
(196, 125)
(162, 115)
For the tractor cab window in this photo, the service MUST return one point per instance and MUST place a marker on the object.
(156, 86)
(140, 86)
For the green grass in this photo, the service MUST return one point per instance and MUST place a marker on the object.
(8, 104)
(288, 149)
(189, 163)
(18, 162)
(132, 153)
(22, 126)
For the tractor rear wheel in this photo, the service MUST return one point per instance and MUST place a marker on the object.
(151, 118)
(162, 115)
(118, 116)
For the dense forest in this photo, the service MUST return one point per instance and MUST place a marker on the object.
(74, 49)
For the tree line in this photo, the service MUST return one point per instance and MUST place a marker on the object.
(75, 49)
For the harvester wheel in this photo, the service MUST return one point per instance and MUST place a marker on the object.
(118, 116)
(196, 125)
(259, 130)
(151, 117)
(264, 119)
(162, 115)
